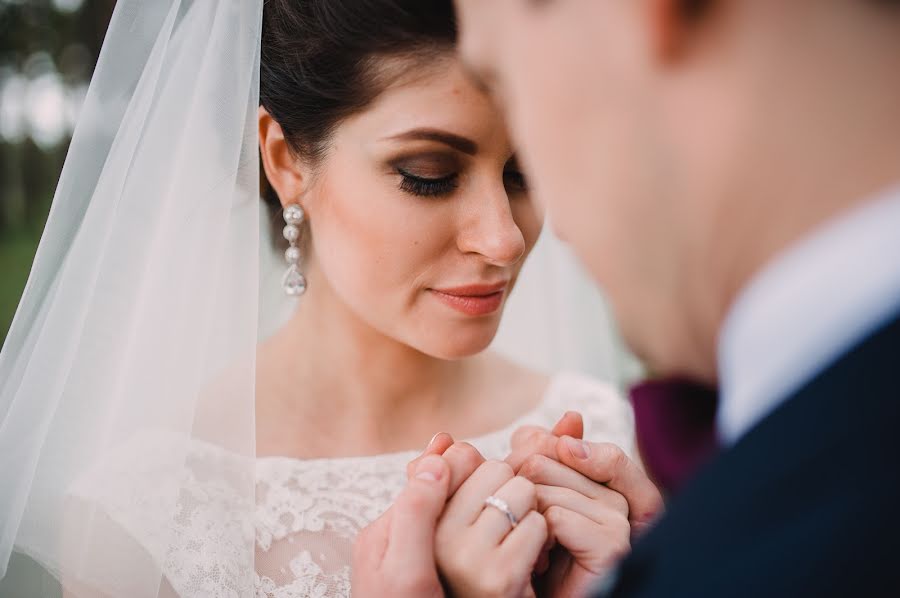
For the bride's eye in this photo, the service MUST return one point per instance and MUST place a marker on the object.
(515, 181)
(427, 186)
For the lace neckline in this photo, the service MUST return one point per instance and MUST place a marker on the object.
(531, 415)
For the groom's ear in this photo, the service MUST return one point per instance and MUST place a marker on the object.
(282, 168)
(673, 25)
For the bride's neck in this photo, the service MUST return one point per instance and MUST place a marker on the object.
(327, 365)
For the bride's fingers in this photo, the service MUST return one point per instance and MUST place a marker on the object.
(600, 511)
(522, 547)
(493, 524)
(468, 502)
(470, 567)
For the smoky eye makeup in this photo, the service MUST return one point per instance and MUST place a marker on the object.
(513, 178)
(432, 174)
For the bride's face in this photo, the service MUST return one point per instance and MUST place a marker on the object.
(420, 217)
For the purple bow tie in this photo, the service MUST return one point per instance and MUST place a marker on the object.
(675, 421)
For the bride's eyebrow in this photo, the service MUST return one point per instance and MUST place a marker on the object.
(457, 142)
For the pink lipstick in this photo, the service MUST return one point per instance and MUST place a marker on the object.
(474, 299)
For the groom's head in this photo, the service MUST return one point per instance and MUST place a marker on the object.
(680, 144)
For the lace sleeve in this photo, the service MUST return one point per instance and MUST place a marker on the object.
(186, 506)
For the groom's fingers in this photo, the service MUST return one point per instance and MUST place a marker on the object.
(609, 465)
(415, 514)
(439, 443)
(530, 440)
(463, 459)
(534, 440)
(599, 511)
(371, 544)
(596, 547)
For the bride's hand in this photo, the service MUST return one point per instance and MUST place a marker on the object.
(394, 555)
(485, 550)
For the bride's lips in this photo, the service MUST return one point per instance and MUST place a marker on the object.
(473, 299)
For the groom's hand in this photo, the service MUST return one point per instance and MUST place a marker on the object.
(607, 464)
(534, 440)
(461, 457)
(394, 556)
(602, 463)
(594, 498)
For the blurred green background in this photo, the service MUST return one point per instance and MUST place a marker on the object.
(48, 49)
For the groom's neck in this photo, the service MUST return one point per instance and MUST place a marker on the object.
(831, 143)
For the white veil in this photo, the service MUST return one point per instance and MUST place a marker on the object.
(137, 330)
(127, 377)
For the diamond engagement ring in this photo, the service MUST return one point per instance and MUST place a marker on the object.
(500, 505)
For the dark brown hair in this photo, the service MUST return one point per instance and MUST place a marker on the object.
(320, 60)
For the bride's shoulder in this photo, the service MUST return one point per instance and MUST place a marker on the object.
(607, 413)
(576, 388)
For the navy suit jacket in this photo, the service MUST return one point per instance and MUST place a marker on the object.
(805, 504)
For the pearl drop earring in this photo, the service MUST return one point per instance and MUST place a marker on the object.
(294, 283)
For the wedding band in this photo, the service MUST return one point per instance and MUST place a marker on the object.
(500, 505)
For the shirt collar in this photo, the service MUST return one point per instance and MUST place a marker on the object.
(816, 300)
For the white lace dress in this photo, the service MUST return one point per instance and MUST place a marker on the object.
(307, 512)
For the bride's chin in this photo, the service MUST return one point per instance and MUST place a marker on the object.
(460, 345)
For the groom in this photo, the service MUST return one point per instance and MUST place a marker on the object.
(729, 171)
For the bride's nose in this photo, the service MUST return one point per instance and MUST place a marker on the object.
(489, 229)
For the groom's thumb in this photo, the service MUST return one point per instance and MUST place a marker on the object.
(416, 511)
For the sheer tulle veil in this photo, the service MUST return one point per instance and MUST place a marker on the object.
(141, 306)
(127, 377)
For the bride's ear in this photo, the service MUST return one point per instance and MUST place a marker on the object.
(282, 169)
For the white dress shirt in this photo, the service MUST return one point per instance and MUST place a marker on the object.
(818, 299)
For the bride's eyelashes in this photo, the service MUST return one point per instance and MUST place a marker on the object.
(513, 179)
(432, 174)
(515, 182)
(438, 175)
(427, 186)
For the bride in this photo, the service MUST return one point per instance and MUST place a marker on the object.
(417, 223)
(177, 451)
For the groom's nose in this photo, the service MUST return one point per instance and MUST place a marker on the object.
(488, 228)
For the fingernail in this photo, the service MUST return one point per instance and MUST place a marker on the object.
(577, 447)
(429, 469)
(430, 442)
